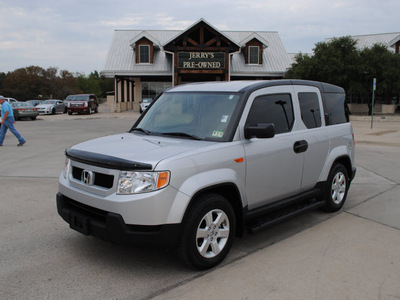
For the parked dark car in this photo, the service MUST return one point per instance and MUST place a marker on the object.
(82, 103)
(24, 110)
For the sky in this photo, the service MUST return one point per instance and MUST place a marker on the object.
(75, 35)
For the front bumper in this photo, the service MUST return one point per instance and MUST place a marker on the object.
(78, 109)
(111, 226)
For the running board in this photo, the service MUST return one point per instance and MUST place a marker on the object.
(282, 215)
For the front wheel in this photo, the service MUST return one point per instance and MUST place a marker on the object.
(336, 188)
(208, 232)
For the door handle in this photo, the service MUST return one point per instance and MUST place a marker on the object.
(300, 146)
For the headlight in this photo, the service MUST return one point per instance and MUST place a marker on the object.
(141, 182)
(66, 167)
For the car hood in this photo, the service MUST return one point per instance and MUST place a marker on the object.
(139, 148)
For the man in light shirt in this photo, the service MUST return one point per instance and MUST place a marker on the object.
(7, 122)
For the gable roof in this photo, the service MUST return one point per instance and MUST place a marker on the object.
(147, 35)
(195, 25)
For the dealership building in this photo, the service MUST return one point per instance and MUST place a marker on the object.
(143, 63)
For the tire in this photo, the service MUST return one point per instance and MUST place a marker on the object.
(90, 111)
(70, 112)
(208, 232)
(336, 188)
(53, 111)
(33, 118)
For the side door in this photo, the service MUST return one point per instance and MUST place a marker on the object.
(273, 167)
(313, 131)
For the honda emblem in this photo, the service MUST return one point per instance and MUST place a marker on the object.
(87, 177)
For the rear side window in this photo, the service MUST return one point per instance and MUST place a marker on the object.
(335, 107)
(276, 109)
(310, 111)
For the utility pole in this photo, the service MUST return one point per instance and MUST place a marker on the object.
(372, 106)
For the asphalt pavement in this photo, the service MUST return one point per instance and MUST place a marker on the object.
(352, 254)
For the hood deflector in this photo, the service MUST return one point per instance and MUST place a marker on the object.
(105, 161)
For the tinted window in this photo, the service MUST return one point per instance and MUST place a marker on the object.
(310, 111)
(276, 109)
(336, 111)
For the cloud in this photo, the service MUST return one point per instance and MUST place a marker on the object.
(76, 35)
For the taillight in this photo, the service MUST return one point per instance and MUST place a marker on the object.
(20, 109)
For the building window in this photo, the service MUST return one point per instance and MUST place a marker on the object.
(152, 89)
(144, 54)
(254, 55)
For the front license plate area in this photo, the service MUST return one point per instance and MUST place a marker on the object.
(79, 223)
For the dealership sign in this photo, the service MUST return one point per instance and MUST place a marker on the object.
(201, 60)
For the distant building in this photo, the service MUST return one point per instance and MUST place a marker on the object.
(390, 40)
(146, 62)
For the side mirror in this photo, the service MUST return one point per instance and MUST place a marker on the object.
(260, 130)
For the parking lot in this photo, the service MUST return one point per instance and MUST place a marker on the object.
(351, 254)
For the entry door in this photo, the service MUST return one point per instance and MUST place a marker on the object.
(274, 169)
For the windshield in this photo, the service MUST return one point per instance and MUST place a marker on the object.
(78, 98)
(197, 115)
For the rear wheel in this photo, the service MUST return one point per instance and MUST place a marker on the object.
(208, 232)
(336, 188)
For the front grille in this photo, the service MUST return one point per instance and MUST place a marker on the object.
(100, 179)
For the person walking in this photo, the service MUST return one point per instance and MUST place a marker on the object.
(7, 122)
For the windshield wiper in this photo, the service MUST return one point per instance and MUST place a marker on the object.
(183, 134)
(140, 129)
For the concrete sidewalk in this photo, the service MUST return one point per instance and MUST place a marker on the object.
(353, 255)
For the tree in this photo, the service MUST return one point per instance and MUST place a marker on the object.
(333, 62)
(340, 62)
(26, 83)
(90, 84)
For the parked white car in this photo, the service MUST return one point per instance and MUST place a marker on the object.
(145, 103)
(51, 106)
(209, 160)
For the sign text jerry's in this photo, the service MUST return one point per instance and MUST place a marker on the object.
(201, 60)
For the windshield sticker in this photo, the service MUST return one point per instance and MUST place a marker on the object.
(217, 134)
(224, 118)
(231, 97)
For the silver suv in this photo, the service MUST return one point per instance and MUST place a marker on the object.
(207, 161)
